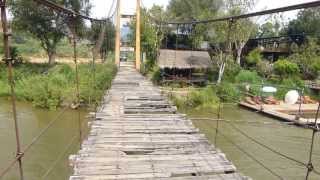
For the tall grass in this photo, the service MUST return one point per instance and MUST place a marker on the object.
(205, 97)
(52, 87)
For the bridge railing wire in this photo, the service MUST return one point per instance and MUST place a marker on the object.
(252, 157)
(310, 167)
(8, 60)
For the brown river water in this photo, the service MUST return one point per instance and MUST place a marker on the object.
(44, 153)
(290, 140)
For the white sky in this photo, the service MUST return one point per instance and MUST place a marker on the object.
(101, 7)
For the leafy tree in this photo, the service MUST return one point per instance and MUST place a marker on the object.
(186, 10)
(269, 29)
(45, 24)
(308, 21)
(107, 41)
(308, 59)
(254, 57)
(151, 33)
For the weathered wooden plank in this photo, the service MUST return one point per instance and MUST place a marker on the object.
(138, 134)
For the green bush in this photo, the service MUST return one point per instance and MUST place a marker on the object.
(285, 68)
(289, 84)
(206, 97)
(315, 68)
(156, 75)
(246, 76)
(228, 92)
(254, 57)
(231, 70)
(264, 69)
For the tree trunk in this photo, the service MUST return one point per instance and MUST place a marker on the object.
(239, 56)
(221, 71)
(52, 57)
(239, 52)
(98, 45)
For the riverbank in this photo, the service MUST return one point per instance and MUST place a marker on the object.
(54, 86)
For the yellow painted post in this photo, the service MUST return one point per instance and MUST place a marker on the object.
(138, 48)
(117, 43)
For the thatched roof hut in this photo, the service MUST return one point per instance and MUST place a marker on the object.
(183, 59)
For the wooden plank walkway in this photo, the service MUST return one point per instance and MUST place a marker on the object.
(138, 134)
(282, 112)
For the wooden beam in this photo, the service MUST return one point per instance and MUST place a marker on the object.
(138, 48)
(117, 43)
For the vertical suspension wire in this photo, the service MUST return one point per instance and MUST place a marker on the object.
(175, 54)
(217, 124)
(8, 59)
(316, 129)
(77, 78)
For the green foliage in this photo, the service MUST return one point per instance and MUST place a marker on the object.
(264, 69)
(269, 29)
(107, 44)
(288, 84)
(308, 59)
(285, 68)
(254, 57)
(308, 21)
(205, 97)
(246, 76)
(48, 27)
(156, 75)
(315, 67)
(228, 92)
(231, 70)
(52, 87)
(151, 35)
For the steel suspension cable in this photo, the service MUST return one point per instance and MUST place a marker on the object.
(33, 141)
(58, 159)
(265, 146)
(249, 155)
(69, 12)
(244, 16)
(315, 130)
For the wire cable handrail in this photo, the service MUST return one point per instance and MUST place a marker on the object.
(248, 154)
(244, 16)
(70, 12)
(266, 146)
(58, 159)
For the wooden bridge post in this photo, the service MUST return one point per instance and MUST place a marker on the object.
(117, 43)
(138, 47)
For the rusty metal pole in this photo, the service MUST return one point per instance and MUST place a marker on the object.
(8, 59)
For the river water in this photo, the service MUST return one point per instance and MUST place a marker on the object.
(49, 147)
(290, 140)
